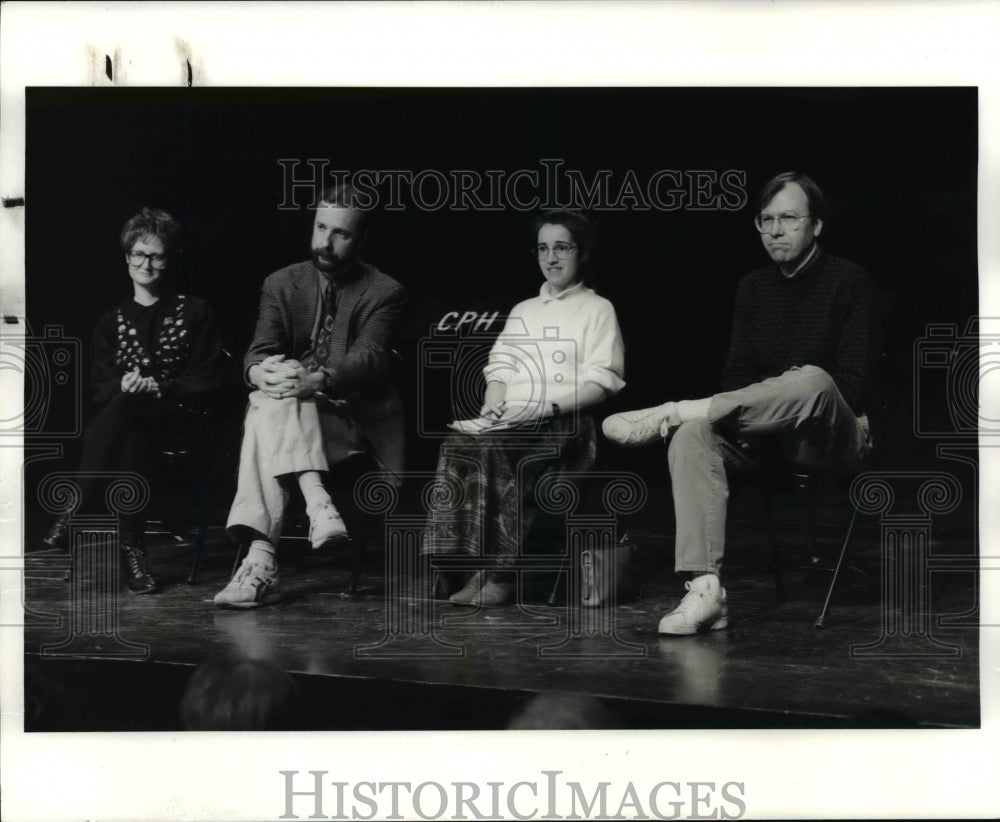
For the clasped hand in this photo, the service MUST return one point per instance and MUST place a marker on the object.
(133, 383)
(281, 378)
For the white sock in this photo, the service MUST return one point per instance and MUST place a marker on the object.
(262, 553)
(312, 489)
(693, 409)
(705, 584)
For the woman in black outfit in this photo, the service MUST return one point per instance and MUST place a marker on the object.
(155, 364)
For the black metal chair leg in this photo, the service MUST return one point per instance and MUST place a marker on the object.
(196, 546)
(821, 619)
(772, 536)
(359, 555)
(237, 560)
(810, 488)
(564, 568)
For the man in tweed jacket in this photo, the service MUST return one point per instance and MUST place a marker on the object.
(319, 363)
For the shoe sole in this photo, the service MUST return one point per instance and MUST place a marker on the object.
(474, 604)
(333, 542)
(638, 442)
(654, 438)
(688, 630)
(268, 599)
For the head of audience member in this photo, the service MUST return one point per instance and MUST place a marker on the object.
(339, 228)
(151, 242)
(563, 712)
(790, 218)
(240, 695)
(565, 242)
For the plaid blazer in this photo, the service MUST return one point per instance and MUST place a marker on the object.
(370, 310)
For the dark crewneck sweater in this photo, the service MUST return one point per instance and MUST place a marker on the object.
(826, 315)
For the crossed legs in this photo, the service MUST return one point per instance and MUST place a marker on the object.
(282, 442)
(804, 415)
(800, 412)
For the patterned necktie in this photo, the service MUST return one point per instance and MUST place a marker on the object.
(325, 329)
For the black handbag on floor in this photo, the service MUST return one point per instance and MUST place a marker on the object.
(607, 576)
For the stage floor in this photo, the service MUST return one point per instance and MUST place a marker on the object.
(389, 658)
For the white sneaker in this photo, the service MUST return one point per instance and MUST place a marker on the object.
(703, 608)
(252, 585)
(326, 527)
(635, 428)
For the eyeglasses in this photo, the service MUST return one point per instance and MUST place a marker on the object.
(561, 250)
(138, 259)
(788, 222)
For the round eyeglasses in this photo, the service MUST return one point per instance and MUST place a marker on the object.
(788, 222)
(138, 259)
(561, 250)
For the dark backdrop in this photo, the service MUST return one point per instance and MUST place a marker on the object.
(899, 166)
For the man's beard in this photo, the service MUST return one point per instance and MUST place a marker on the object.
(331, 265)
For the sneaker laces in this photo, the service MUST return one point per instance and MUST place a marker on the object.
(324, 511)
(136, 559)
(690, 598)
(241, 573)
(657, 420)
(652, 418)
(245, 570)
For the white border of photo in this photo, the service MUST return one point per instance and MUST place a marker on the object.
(786, 774)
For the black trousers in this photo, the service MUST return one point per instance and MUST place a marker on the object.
(127, 434)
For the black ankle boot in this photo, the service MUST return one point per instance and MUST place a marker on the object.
(140, 581)
(57, 535)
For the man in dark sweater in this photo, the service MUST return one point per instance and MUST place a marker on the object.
(795, 383)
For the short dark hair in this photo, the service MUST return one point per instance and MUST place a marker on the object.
(817, 202)
(582, 230)
(344, 195)
(152, 222)
(240, 695)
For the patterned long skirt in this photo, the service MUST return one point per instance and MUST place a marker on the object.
(486, 502)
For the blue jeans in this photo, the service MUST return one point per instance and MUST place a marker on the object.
(800, 413)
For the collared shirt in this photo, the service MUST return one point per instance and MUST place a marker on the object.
(547, 293)
(805, 262)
